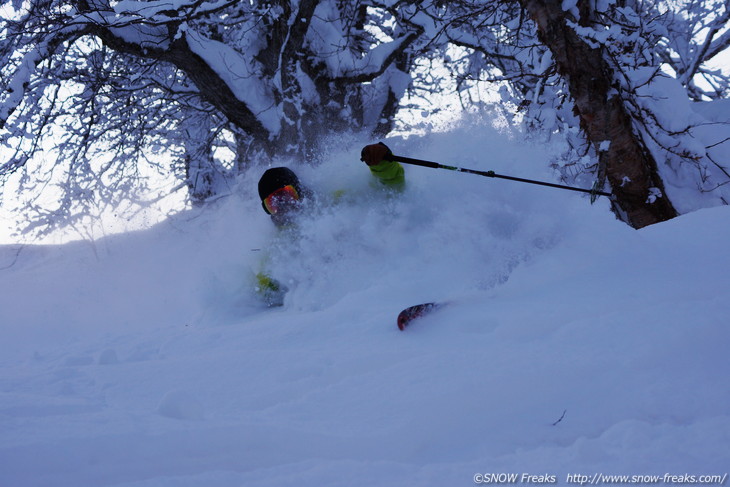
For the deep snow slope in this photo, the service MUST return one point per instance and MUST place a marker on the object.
(572, 344)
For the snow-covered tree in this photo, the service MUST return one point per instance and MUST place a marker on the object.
(97, 93)
(84, 80)
(598, 68)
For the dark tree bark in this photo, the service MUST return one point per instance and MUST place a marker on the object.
(627, 163)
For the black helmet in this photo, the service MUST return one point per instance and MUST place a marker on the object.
(276, 178)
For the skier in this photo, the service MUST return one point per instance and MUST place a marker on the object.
(283, 197)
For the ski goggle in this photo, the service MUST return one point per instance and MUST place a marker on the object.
(281, 200)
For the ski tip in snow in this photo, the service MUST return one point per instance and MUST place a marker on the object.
(413, 312)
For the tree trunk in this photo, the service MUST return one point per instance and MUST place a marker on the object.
(204, 176)
(631, 170)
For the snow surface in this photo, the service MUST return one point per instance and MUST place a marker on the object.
(572, 344)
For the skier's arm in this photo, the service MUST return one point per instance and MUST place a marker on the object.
(388, 172)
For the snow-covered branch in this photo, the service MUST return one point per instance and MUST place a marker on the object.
(121, 81)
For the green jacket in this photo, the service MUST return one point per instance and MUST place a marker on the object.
(390, 173)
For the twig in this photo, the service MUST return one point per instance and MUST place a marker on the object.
(15, 259)
(561, 418)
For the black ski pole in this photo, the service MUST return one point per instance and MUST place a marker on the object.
(492, 174)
